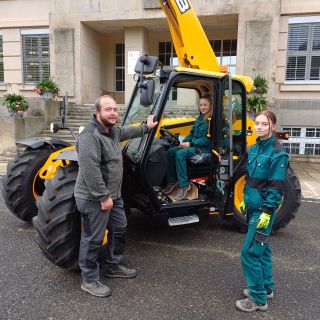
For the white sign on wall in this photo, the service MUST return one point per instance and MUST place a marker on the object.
(132, 60)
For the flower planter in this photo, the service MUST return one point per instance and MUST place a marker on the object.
(12, 113)
(15, 103)
(47, 96)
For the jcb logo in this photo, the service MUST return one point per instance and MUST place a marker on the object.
(183, 5)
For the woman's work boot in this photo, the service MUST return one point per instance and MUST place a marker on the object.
(247, 305)
(169, 188)
(182, 192)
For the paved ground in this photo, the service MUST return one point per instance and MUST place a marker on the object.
(187, 272)
(309, 177)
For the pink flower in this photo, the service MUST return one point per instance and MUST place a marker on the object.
(39, 91)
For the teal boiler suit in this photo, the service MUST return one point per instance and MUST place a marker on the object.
(177, 157)
(263, 192)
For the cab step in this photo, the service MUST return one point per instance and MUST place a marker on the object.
(177, 221)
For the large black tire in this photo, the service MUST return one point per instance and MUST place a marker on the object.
(287, 211)
(58, 224)
(21, 184)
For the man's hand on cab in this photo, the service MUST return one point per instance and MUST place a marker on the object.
(150, 122)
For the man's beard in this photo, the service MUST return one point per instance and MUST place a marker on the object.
(106, 123)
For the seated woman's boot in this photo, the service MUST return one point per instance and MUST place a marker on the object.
(182, 192)
(169, 188)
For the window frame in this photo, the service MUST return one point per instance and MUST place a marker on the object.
(168, 55)
(290, 146)
(293, 132)
(1, 60)
(220, 55)
(41, 58)
(119, 67)
(309, 53)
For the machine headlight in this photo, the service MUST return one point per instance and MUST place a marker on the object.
(54, 127)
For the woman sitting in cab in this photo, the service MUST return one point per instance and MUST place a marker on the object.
(196, 141)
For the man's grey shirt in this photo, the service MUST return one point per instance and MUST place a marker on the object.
(100, 160)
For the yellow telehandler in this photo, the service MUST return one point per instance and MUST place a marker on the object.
(40, 182)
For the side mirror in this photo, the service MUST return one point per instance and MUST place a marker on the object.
(146, 64)
(147, 92)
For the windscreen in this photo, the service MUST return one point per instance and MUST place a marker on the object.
(137, 114)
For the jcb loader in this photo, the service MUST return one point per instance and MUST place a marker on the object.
(40, 182)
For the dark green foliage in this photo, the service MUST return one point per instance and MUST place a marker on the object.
(256, 99)
(16, 102)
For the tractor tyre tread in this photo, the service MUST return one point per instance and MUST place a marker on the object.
(58, 221)
(18, 182)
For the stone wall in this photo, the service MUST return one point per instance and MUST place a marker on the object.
(298, 113)
(17, 128)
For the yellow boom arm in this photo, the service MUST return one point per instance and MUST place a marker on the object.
(191, 43)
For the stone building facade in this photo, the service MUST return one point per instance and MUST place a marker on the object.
(91, 46)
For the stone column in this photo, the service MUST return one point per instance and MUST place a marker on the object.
(135, 40)
(258, 32)
(63, 43)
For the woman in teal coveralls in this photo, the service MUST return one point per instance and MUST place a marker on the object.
(263, 192)
(196, 141)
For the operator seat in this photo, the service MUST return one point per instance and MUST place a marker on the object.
(198, 170)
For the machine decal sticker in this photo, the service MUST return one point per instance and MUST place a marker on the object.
(183, 5)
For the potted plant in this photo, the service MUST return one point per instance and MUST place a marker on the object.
(47, 89)
(256, 99)
(16, 104)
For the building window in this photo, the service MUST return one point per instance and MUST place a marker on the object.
(293, 132)
(1, 60)
(226, 52)
(312, 149)
(309, 148)
(303, 55)
(36, 55)
(168, 57)
(312, 133)
(291, 148)
(167, 54)
(120, 67)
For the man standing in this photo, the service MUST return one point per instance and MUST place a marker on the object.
(98, 194)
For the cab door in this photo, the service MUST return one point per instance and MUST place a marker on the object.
(229, 142)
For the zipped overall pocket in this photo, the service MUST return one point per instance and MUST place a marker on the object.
(258, 244)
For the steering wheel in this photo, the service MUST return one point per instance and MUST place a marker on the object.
(170, 137)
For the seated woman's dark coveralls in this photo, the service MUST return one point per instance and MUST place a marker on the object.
(177, 156)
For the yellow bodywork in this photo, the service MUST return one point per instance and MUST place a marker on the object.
(191, 44)
(238, 192)
(251, 136)
(49, 169)
(247, 81)
(180, 125)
